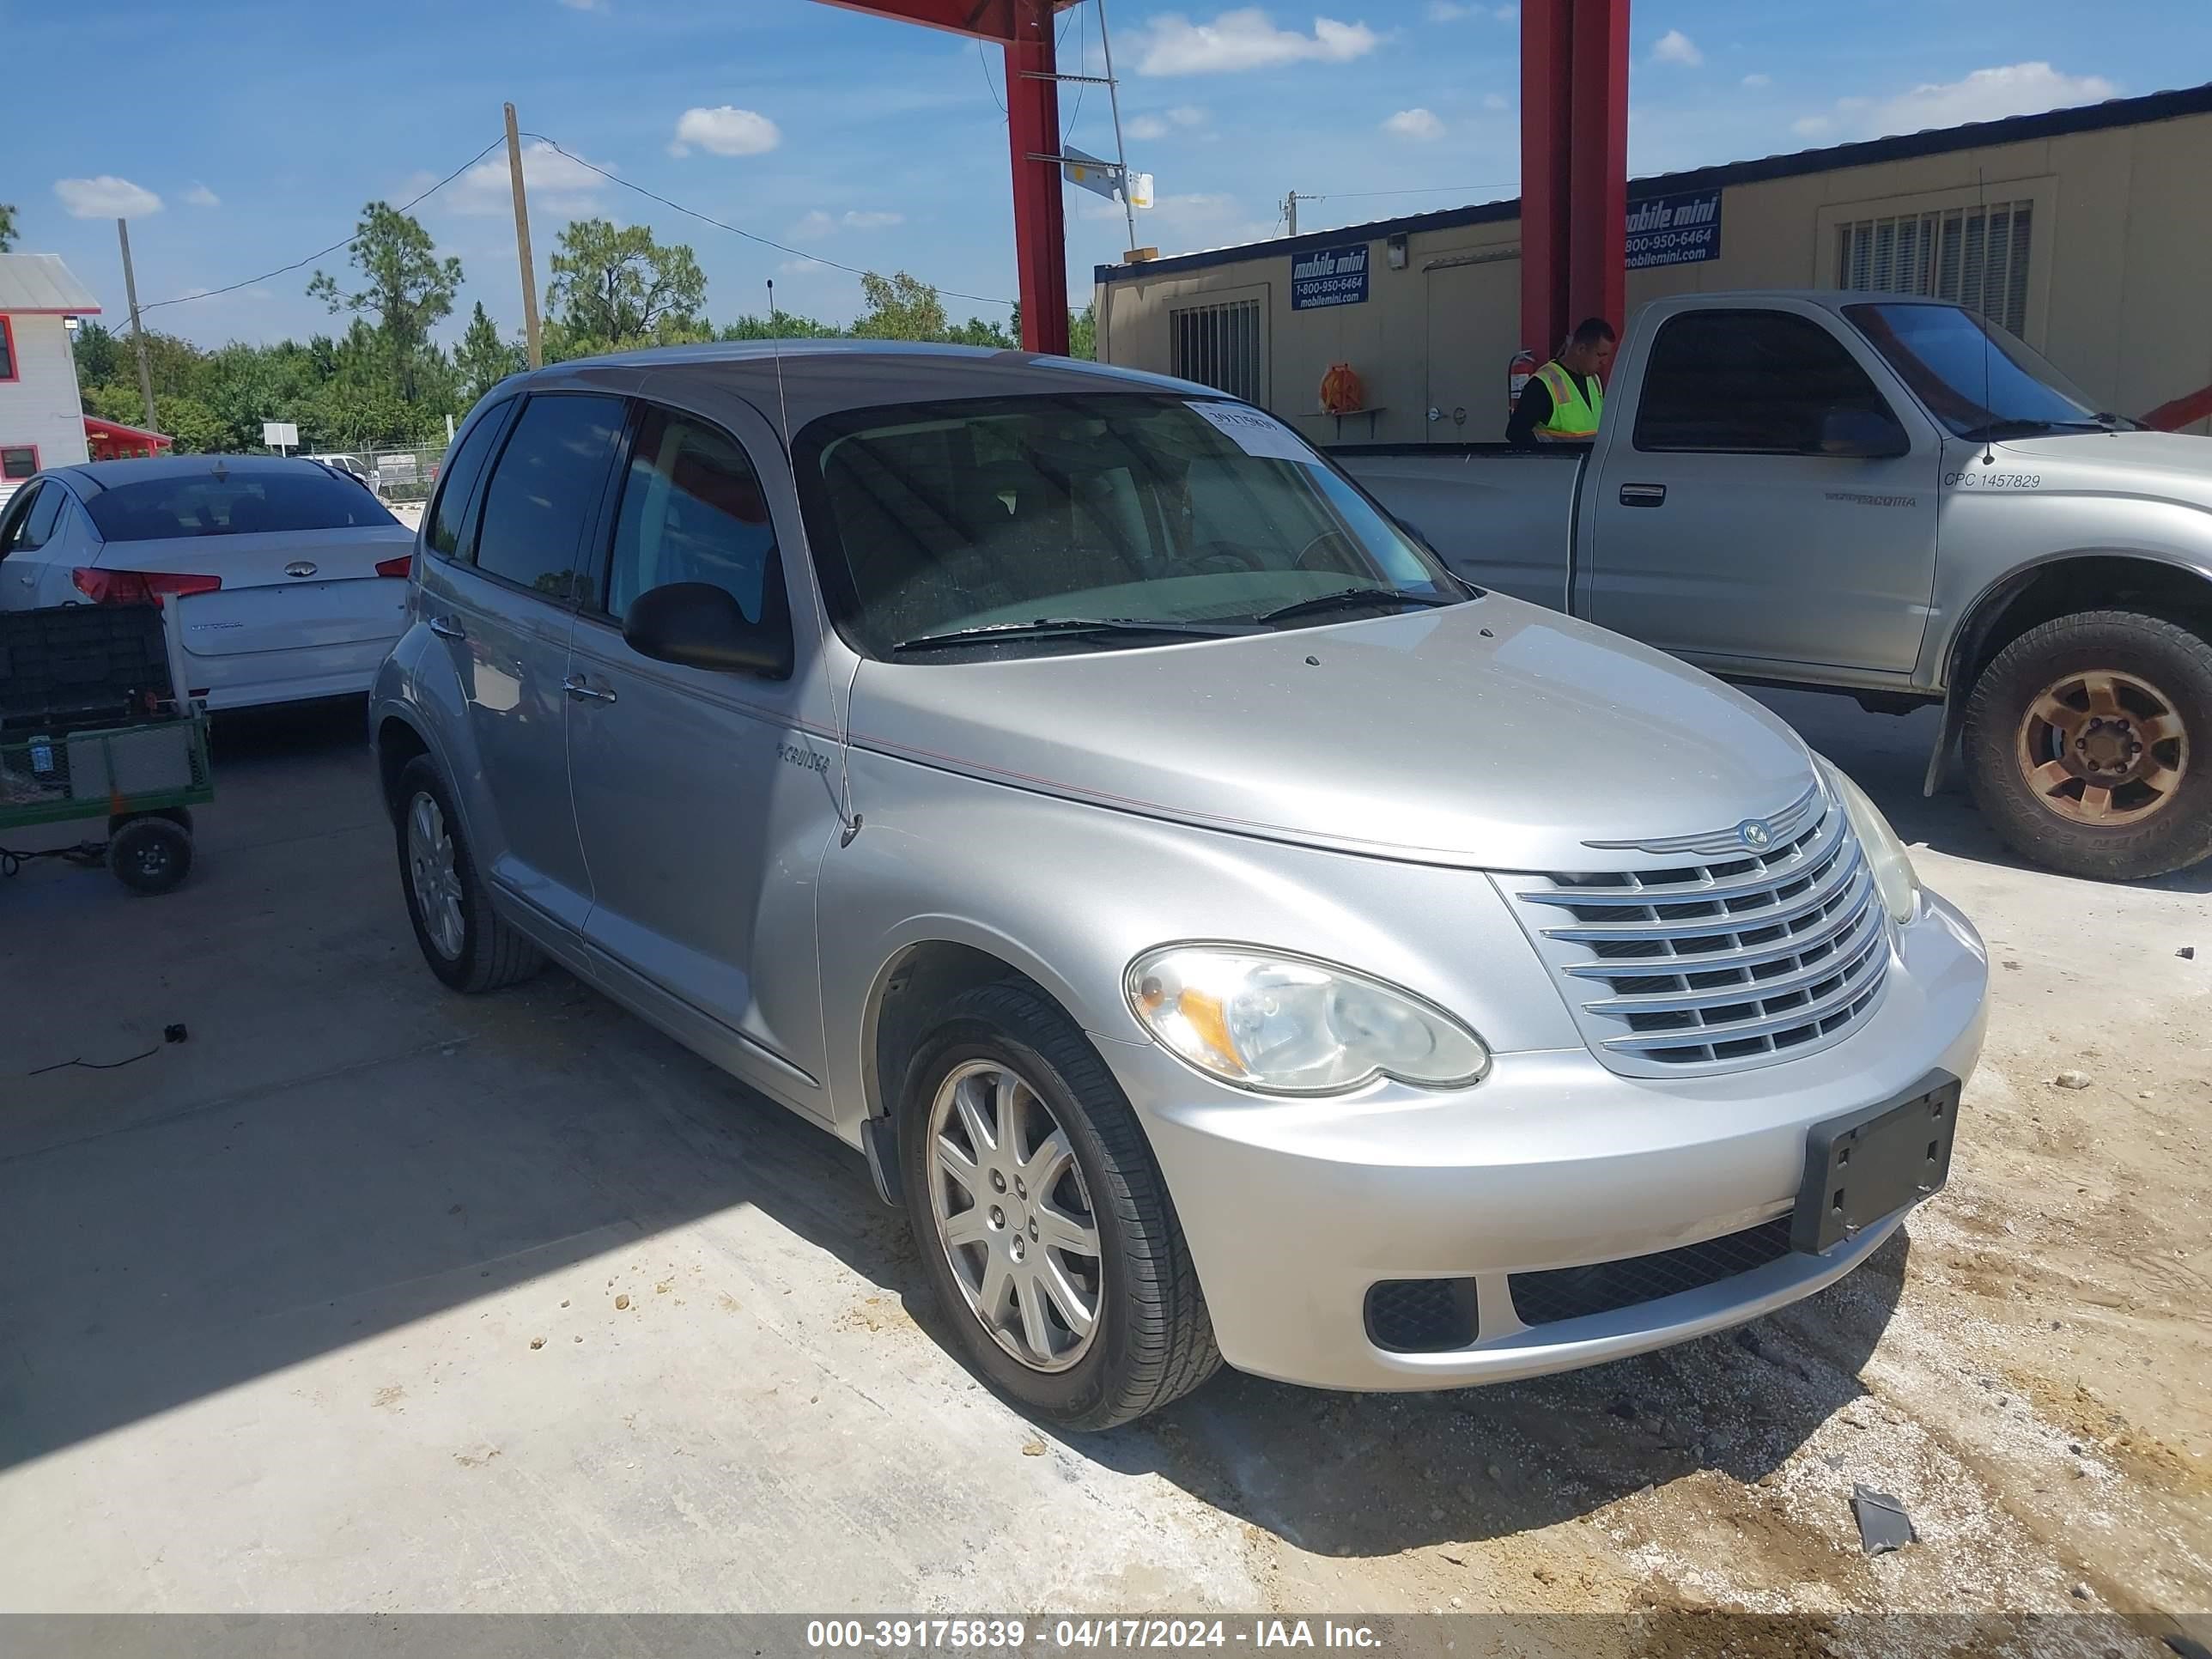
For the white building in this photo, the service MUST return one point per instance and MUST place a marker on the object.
(41, 415)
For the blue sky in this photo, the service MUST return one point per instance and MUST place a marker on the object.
(239, 137)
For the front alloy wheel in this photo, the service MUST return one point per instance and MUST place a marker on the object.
(1043, 1223)
(1013, 1215)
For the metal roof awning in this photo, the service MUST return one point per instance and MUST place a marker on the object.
(39, 284)
(105, 437)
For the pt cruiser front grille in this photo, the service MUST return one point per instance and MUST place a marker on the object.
(1726, 962)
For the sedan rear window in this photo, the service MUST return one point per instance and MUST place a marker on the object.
(220, 503)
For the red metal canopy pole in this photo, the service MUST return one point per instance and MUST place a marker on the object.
(1024, 29)
(1039, 223)
(1574, 165)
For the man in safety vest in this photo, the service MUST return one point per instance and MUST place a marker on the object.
(1563, 400)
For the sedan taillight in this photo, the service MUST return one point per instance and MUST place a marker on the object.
(399, 567)
(139, 586)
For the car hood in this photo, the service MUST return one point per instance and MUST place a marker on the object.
(1493, 734)
(2168, 465)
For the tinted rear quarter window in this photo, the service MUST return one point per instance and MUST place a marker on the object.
(546, 490)
(458, 485)
(1756, 381)
(222, 503)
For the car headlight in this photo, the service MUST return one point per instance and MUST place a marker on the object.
(1287, 1024)
(1884, 853)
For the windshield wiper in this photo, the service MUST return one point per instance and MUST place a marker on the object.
(2031, 429)
(1046, 628)
(1349, 599)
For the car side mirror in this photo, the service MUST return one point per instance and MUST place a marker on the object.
(699, 625)
(1862, 435)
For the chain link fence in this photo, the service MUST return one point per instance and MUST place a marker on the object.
(398, 476)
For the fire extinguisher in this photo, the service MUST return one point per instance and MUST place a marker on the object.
(1517, 376)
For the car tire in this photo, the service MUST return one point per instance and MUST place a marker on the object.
(463, 939)
(1151, 1341)
(151, 854)
(2056, 750)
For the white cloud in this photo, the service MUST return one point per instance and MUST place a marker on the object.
(554, 181)
(1507, 14)
(1159, 125)
(1416, 124)
(1987, 95)
(874, 219)
(200, 196)
(585, 5)
(725, 131)
(1195, 220)
(106, 197)
(813, 228)
(1676, 47)
(196, 293)
(1757, 80)
(799, 267)
(1246, 38)
(1496, 100)
(1447, 11)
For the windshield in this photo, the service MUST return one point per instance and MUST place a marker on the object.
(998, 514)
(221, 502)
(1974, 377)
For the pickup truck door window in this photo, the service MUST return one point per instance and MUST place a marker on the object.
(504, 617)
(703, 799)
(1731, 526)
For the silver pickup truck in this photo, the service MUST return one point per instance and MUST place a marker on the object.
(1887, 496)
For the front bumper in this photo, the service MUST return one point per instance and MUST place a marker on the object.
(1294, 1209)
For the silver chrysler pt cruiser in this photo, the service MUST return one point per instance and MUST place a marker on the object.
(1229, 935)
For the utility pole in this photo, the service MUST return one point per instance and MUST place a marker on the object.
(1291, 210)
(1121, 149)
(530, 332)
(138, 333)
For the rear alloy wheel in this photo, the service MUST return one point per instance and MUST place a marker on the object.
(463, 939)
(2086, 741)
(1044, 1227)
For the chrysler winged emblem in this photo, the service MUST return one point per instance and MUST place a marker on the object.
(1755, 834)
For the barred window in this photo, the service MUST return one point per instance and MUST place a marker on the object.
(1974, 256)
(1219, 346)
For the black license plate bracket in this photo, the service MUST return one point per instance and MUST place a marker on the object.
(1872, 1163)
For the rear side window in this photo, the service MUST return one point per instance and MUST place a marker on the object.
(692, 511)
(222, 503)
(1747, 381)
(459, 484)
(46, 512)
(15, 519)
(544, 491)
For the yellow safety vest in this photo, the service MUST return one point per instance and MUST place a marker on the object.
(1574, 416)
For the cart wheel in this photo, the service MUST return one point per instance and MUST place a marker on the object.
(151, 854)
(180, 815)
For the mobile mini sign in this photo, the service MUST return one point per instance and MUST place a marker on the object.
(1674, 230)
(1330, 277)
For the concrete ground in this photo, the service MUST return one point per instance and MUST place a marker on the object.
(368, 1296)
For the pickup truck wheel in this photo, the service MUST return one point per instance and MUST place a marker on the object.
(463, 939)
(1042, 1222)
(2089, 745)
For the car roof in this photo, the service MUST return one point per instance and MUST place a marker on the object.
(814, 378)
(95, 476)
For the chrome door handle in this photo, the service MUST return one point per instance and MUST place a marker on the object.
(576, 687)
(446, 628)
(1643, 494)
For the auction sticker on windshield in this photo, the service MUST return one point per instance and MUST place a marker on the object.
(1256, 434)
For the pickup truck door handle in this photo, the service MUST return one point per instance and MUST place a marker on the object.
(446, 628)
(577, 687)
(1644, 495)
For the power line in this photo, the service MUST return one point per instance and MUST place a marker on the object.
(984, 65)
(232, 288)
(736, 230)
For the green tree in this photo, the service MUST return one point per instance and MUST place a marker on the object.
(484, 359)
(7, 226)
(613, 289)
(780, 326)
(899, 308)
(405, 288)
(1082, 333)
